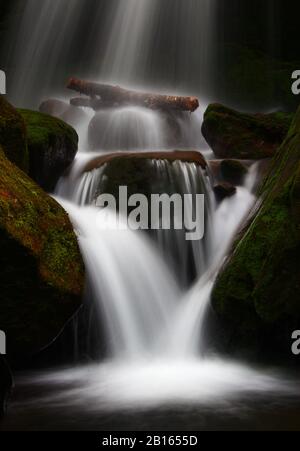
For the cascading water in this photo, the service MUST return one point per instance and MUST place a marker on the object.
(158, 353)
(121, 267)
(154, 329)
(187, 316)
(127, 129)
(189, 259)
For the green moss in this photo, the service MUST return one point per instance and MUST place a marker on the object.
(52, 146)
(262, 277)
(13, 136)
(41, 278)
(42, 129)
(232, 134)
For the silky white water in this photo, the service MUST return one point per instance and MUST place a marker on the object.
(155, 328)
(155, 332)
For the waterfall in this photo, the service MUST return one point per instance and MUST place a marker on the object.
(188, 259)
(149, 291)
(154, 330)
(114, 41)
(128, 129)
(121, 268)
(144, 309)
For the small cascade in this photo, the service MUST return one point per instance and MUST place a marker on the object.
(188, 259)
(130, 128)
(190, 318)
(137, 128)
(79, 186)
(121, 268)
(143, 301)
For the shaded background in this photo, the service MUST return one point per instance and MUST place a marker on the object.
(255, 50)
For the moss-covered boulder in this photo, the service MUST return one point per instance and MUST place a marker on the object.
(13, 134)
(236, 135)
(136, 170)
(41, 277)
(52, 146)
(257, 294)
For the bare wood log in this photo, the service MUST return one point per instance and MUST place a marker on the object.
(115, 95)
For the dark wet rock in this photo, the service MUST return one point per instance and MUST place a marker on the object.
(52, 146)
(256, 296)
(42, 276)
(13, 135)
(190, 156)
(235, 135)
(224, 190)
(233, 171)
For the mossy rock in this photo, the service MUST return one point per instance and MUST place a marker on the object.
(52, 146)
(42, 275)
(13, 134)
(232, 134)
(257, 294)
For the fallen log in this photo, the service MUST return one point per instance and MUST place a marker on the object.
(105, 95)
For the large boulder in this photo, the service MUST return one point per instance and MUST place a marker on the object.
(257, 294)
(136, 171)
(242, 136)
(42, 275)
(52, 146)
(13, 134)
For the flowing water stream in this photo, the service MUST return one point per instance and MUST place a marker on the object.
(154, 318)
(159, 364)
